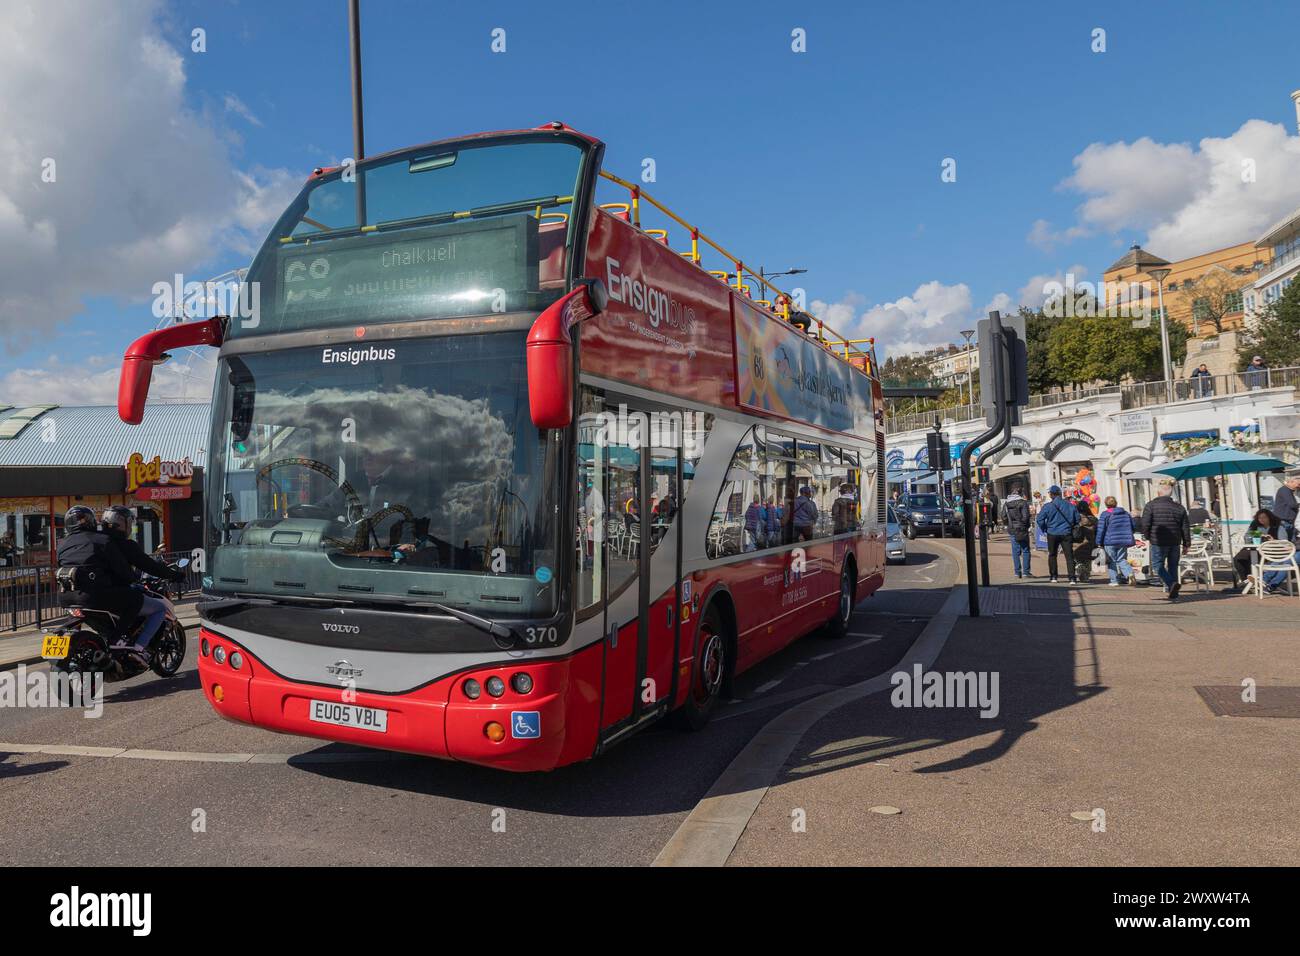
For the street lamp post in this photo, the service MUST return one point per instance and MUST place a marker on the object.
(968, 334)
(1160, 275)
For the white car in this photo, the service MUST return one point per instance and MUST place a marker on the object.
(895, 543)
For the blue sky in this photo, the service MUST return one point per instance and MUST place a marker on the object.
(828, 160)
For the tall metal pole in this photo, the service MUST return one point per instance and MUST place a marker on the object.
(1164, 340)
(999, 423)
(358, 122)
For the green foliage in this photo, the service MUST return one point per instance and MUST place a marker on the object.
(1276, 333)
(1066, 352)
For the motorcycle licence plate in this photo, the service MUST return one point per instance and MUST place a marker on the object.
(55, 646)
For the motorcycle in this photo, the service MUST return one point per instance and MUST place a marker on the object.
(83, 642)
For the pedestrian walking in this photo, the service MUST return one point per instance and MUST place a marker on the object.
(1085, 541)
(1019, 522)
(1058, 519)
(1115, 537)
(1169, 535)
(993, 510)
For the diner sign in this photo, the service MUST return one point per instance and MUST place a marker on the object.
(159, 480)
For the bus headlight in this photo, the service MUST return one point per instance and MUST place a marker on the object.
(204, 647)
(219, 654)
(496, 686)
(236, 660)
(471, 688)
(522, 683)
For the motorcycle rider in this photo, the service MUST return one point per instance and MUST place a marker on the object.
(116, 522)
(99, 575)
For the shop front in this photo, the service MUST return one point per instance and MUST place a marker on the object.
(87, 456)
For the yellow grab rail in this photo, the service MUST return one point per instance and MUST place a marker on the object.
(637, 194)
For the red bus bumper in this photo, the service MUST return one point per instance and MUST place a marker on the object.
(553, 724)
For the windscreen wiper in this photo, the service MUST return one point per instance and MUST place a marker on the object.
(482, 623)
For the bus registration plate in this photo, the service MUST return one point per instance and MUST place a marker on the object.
(348, 715)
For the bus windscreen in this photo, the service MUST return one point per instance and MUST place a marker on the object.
(405, 470)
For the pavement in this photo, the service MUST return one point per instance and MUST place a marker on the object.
(23, 646)
(1103, 750)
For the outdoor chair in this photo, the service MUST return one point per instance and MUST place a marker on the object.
(1199, 561)
(1277, 556)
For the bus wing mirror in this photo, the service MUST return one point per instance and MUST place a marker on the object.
(549, 352)
(150, 350)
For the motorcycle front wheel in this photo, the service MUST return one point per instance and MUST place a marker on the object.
(169, 650)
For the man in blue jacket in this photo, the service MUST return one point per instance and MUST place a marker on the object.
(1058, 519)
(1115, 537)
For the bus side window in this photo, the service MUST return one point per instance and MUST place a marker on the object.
(735, 526)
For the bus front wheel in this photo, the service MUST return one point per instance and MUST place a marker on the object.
(708, 673)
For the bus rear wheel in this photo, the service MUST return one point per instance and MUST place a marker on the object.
(708, 673)
(838, 626)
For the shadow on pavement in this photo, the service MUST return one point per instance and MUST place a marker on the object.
(10, 771)
(1046, 669)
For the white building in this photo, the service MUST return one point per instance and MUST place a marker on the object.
(1054, 442)
(1284, 239)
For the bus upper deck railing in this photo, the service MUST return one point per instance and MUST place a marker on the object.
(838, 345)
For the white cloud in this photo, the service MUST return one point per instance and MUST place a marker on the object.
(931, 316)
(1186, 199)
(237, 106)
(188, 374)
(145, 185)
(1048, 239)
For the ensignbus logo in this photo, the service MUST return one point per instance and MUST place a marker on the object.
(356, 356)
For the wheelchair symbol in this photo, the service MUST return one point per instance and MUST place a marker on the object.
(525, 724)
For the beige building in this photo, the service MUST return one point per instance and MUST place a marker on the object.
(1205, 293)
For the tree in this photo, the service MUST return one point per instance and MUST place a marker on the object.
(1215, 295)
(1108, 350)
(1275, 333)
(1038, 328)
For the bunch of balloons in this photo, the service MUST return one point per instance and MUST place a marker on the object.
(1086, 486)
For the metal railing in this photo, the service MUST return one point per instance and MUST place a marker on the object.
(1138, 395)
(29, 590)
(838, 345)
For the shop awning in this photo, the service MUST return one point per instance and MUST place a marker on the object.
(1179, 436)
(1006, 471)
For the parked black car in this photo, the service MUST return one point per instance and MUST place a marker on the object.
(923, 514)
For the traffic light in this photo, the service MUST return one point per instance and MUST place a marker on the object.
(937, 451)
(982, 475)
(1013, 350)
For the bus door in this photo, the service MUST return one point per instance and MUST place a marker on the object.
(616, 497)
(663, 577)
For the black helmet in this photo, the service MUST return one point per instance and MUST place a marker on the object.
(78, 518)
(119, 518)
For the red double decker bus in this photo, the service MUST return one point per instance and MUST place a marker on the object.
(498, 476)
